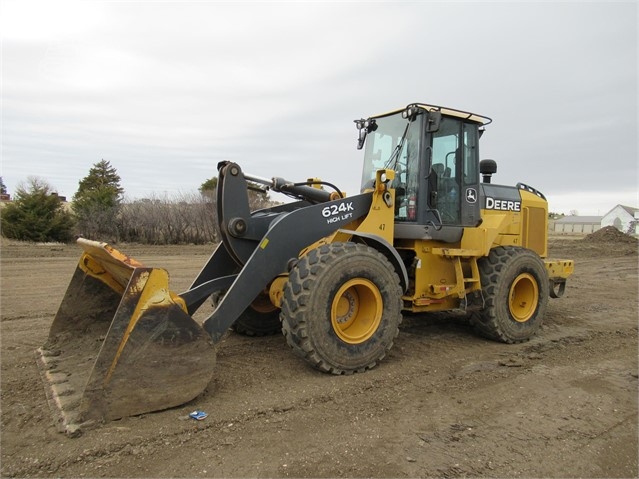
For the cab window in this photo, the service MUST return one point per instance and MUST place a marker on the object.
(446, 164)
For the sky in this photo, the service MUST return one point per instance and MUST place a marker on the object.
(165, 90)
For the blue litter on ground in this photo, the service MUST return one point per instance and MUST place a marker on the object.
(198, 415)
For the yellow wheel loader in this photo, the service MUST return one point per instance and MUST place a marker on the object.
(334, 273)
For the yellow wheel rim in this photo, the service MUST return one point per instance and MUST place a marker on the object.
(262, 304)
(356, 311)
(523, 298)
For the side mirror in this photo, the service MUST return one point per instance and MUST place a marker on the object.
(364, 127)
(361, 138)
(433, 121)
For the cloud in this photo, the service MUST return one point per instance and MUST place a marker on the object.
(41, 21)
(596, 203)
(165, 90)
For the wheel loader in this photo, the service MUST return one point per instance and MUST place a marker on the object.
(429, 231)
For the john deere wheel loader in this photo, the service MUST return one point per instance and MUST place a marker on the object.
(333, 272)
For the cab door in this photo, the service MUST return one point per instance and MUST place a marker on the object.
(454, 175)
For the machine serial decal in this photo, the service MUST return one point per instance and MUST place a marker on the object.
(338, 212)
(503, 205)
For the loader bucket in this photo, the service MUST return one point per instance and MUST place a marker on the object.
(121, 343)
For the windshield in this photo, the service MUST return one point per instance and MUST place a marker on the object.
(393, 145)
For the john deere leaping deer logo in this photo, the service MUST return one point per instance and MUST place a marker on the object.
(471, 195)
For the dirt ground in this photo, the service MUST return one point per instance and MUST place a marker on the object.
(444, 403)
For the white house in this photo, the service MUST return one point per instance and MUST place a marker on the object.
(624, 218)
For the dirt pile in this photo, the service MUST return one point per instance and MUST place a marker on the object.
(610, 234)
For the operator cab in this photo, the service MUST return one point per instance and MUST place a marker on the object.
(434, 152)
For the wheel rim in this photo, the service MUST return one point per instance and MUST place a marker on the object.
(523, 298)
(356, 311)
(262, 304)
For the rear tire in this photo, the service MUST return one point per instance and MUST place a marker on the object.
(515, 290)
(341, 308)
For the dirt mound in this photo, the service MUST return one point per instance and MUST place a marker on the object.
(610, 234)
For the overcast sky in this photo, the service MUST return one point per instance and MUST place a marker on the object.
(165, 90)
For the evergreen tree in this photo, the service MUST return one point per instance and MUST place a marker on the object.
(208, 188)
(36, 214)
(97, 202)
(3, 188)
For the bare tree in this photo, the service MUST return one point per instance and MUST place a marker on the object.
(187, 218)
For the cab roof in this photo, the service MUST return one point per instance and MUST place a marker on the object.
(465, 115)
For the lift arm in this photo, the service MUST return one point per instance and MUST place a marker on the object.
(258, 246)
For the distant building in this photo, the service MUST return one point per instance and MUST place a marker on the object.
(578, 224)
(5, 199)
(624, 218)
(60, 197)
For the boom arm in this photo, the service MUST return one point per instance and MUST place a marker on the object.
(256, 247)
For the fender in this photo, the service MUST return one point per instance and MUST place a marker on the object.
(384, 247)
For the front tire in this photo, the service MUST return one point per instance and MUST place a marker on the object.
(515, 289)
(342, 307)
